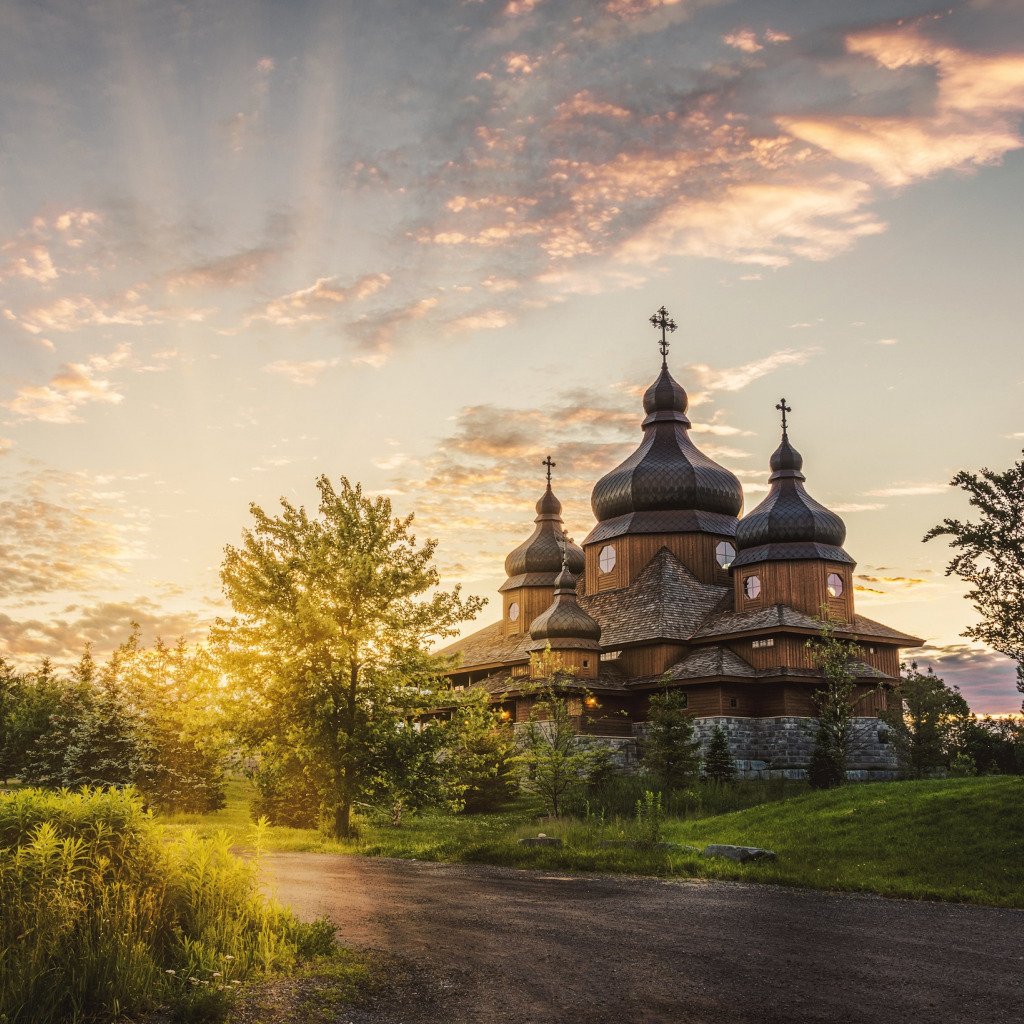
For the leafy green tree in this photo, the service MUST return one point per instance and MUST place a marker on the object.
(990, 557)
(11, 698)
(926, 719)
(670, 751)
(285, 794)
(719, 765)
(835, 703)
(334, 614)
(481, 752)
(554, 761)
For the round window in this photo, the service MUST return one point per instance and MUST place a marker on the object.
(835, 585)
(752, 586)
(606, 560)
(725, 553)
(513, 612)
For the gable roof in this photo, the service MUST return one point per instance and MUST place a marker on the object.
(665, 602)
(489, 646)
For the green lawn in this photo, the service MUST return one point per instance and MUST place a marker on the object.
(952, 839)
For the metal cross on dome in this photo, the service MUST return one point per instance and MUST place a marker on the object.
(662, 320)
(783, 408)
(566, 541)
(550, 463)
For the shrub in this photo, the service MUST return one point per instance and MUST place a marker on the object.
(284, 794)
(719, 765)
(103, 918)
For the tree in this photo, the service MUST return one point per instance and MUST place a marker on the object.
(481, 752)
(835, 703)
(554, 762)
(333, 617)
(719, 765)
(990, 557)
(927, 720)
(671, 752)
(11, 697)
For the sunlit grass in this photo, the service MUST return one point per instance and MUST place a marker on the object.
(102, 916)
(952, 839)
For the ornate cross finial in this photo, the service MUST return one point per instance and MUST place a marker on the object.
(550, 463)
(783, 408)
(662, 320)
(566, 541)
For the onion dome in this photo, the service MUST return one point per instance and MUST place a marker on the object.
(538, 560)
(565, 620)
(789, 523)
(667, 484)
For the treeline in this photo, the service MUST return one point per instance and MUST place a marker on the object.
(147, 717)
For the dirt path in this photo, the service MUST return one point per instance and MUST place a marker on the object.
(493, 945)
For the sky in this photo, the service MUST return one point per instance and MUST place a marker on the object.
(416, 244)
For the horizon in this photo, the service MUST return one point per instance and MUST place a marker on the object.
(245, 244)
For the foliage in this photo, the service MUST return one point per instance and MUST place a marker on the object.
(995, 745)
(835, 703)
(670, 749)
(719, 765)
(146, 718)
(926, 720)
(285, 795)
(103, 918)
(481, 753)
(650, 820)
(990, 557)
(554, 761)
(327, 647)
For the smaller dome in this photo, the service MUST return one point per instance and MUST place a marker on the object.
(666, 395)
(789, 515)
(565, 619)
(541, 552)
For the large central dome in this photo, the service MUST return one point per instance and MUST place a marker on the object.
(667, 473)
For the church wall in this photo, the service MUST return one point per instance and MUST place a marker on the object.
(800, 584)
(633, 552)
(531, 600)
(652, 660)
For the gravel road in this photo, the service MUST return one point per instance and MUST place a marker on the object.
(490, 944)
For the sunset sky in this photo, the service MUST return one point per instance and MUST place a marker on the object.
(417, 243)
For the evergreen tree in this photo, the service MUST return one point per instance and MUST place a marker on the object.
(670, 751)
(481, 752)
(835, 703)
(719, 765)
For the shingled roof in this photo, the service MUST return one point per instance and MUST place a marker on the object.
(665, 602)
(782, 616)
(489, 646)
(712, 662)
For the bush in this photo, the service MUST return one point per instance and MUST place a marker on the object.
(284, 794)
(103, 918)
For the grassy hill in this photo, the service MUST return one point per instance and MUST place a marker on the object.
(949, 839)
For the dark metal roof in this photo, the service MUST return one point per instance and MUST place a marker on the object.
(541, 552)
(791, 552)
(564, 619)
(673, 521)
(788, 515)
(667, 472)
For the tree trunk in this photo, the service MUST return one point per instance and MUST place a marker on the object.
(343, 811)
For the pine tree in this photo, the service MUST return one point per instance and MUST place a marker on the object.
(671, 751)
(719, 765)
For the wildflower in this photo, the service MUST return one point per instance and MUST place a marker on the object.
(216, 974)
(169, 971)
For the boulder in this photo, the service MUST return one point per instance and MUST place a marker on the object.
(541, 840)
(742, 854)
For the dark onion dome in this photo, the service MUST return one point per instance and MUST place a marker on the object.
(667, 484)
(538, 560)
(565, 620)
(789, 523)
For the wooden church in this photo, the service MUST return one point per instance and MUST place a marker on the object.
(675, 587)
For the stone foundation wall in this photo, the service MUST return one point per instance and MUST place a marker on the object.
(768, 748)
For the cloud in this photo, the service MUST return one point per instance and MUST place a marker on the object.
(377, 333)
(972, 117)
(303, 373)
(856, 506)
(986, 679)
(319, 300)
(909, 490)
(74, 312)
(485, 320)
(104, 625)
(225, 271)
(6, 444)
(74, 385)
(738, 377)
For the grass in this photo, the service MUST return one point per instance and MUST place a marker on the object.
(948, 839)
(102, 916)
